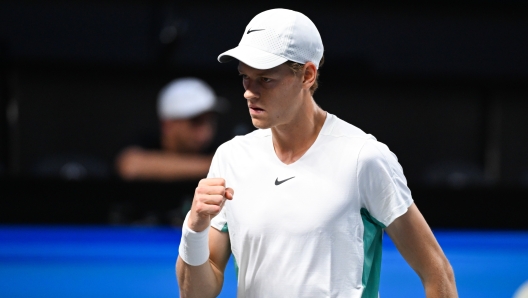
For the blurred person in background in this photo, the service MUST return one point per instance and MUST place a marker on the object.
(187, 110)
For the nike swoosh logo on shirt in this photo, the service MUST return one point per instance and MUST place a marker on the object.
(249, 31)
(277, 182)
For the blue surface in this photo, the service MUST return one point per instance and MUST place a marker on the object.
(51, 261)
(486, 264)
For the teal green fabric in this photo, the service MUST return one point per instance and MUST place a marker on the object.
(373, 232)
(225, 229)
(236, 266)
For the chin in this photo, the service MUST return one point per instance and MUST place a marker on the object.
(260, 124)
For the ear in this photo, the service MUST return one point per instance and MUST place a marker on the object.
(309, 75)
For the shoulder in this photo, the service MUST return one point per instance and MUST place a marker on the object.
(370, 150)
(374, 157)
(339, 133)
(374, 150)
(335, 127)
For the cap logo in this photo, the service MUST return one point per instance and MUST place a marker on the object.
(249, 30)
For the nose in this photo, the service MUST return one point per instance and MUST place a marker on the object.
(249, 95)
(251, 92)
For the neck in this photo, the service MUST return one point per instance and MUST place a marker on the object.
(293, 139)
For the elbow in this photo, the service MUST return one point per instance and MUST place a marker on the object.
(448, 284)
(126, 165)
(440, 282)
(126, 173)
(446, 271)
(449, 275)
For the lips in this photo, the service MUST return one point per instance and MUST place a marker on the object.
(255, 109)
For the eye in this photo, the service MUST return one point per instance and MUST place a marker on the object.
(243, 76)
(266, 80)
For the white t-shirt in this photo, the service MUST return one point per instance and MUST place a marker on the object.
(312, 228)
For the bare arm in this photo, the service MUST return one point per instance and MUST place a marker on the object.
(136, 163)
(415, 241)
(205, 280)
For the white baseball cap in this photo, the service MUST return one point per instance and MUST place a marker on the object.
(275, 36)
(185, 98)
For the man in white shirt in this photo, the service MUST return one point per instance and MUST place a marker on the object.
(313, 193)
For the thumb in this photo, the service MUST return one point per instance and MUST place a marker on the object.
(229, 192)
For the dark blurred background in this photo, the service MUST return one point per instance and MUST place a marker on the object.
(443, 84)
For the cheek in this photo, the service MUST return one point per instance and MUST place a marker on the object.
(182, 132)
(170, 129)
(290, 94)
(204, 132)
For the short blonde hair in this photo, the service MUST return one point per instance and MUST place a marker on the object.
(296, 67)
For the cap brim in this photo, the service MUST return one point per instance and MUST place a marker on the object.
(253, 57)
(221, 106)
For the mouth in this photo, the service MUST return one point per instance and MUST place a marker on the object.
(255, 110)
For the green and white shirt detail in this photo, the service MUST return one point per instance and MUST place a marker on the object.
(312, 228)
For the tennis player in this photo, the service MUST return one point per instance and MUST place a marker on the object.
(302, 201)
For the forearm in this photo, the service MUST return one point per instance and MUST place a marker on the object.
(203, 253)
(165, 166)
(170, 166)
(418, 246)
(198, 281)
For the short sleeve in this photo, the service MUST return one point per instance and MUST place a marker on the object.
(218, 222)
(382, 186)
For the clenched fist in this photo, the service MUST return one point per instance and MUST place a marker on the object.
(209, 199)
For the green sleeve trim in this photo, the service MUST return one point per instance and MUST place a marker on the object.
(364, 212)
(236, 266)
(372, 235)
(224, 228)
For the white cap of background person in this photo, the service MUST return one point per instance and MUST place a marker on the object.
(186, 98)
(275, 36)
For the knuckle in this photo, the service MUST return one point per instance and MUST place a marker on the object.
(200, 209)
(219, 181)
(198, 201)
(216, 209)
(218, 199)
(200, 190)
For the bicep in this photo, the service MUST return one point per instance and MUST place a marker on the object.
(415, 241)
(219, 250)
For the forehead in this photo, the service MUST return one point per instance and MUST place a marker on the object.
(244, 68)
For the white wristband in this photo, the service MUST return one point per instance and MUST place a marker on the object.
(194, 246)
